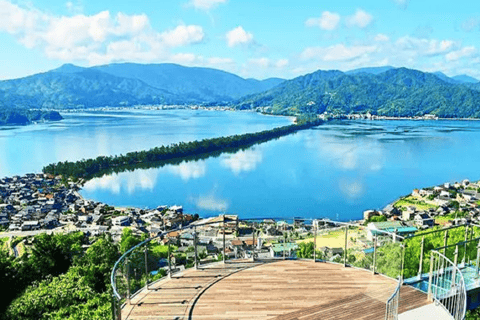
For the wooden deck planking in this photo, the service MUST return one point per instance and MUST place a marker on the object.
(283, 290)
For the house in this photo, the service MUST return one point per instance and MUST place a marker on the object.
(391, 211)
(31, 225)
(327, 251)
(382, 228)
(281, 249)
(176, 209)
(426, 193)
(442, 201)
(123, 221)
(369, 213)
(408, 214)
(423, 220)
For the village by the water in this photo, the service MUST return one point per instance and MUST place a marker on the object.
(37, 203)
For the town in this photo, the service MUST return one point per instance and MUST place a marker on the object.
(36, 203)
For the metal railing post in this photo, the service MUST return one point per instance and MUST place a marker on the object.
(478, 258)
(346, 246)
(445, 242)
(375, 254)
(169, 261)
(430, 278)
(420, 268)
(146, 266)
(195, 247)
(119, 310)
(253, 241)
(455, 262)
(128, 281)
(114, 307)
(315, 240)
(465, 246)
(402, 262)
(223, 238)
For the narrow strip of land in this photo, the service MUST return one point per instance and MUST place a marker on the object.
(173, 153)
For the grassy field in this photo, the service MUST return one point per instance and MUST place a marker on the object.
(411, 201)
(336, 239)
(3, 243)
(162, 250)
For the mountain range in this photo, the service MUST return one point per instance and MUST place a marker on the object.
(380, 90)
(125, 85)
(388, 91)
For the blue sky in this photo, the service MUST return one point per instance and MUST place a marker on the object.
(252, 38)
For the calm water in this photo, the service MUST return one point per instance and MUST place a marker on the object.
(336, 170)
(87, 135)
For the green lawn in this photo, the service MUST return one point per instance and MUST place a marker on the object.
(3, 241)
(161, 250)
(411, 201)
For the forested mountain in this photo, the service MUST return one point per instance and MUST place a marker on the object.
(126, 84)
(191, 83)
(395, 92)
(24, 117)
(465, 79)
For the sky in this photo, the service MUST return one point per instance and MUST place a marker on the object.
(252, 38)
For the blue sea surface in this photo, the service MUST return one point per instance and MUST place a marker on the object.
(336, 170)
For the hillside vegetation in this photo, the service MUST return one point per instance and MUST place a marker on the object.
(126, 85)
(395, 92)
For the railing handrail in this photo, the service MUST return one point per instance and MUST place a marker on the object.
(338, 224)
(392, 303)
(461, 243)
(461, 285)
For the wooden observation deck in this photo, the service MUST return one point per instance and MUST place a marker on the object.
(281, 290)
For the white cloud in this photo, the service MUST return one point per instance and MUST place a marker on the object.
(74, 8)
(327, 21)
(428, 47)
(97, 38)
(381, 37)
(281, 63)
(206, 4)
(183, 35)
(239, 36)
(462, 53)
(471, 24)
(260, 62)
(243, 161)
(402, 3)
(360, 19)
(338, 52)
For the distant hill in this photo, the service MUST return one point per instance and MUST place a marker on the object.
(24, 117)
(127, 84)
(445, 78)
(395, 92)
(371, 70)
(465, 79)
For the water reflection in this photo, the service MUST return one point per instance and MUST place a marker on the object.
(130, 182)
(210, 202)
(243, 161)
(189, 170)
(366, 154)
(334, 171)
